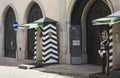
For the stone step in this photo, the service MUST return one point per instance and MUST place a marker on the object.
(115, 73)
(30, 66)
(112, 74)
(99, 75)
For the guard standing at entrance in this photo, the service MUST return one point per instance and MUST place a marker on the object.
(104, 48)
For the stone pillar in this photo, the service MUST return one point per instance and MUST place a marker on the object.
(63, 34)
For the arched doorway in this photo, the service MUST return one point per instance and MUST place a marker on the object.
(76, 42)
(9, 34)
(98, 9)
(34, 14)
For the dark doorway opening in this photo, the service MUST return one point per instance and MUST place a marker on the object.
(98, 9)
(34, 14)
(76, 32)
(9, 34)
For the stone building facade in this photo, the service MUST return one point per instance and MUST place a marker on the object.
(67, 13)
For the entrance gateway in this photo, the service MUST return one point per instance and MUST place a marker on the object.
(92, 32)
(50, 49)
(9, 35)
(34, 14)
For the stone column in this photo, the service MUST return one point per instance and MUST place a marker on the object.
(63, 33)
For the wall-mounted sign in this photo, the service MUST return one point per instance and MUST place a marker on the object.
(15, 25)
(76, 42)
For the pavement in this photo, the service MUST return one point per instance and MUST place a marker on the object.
(82, 70)
(14, 72)
(9, 69)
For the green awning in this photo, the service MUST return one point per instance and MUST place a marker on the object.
(30, 25)
(36, 24)
(108, 20)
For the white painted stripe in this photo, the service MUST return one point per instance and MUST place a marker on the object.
(35, 47)
(53, 36)
(46, 37)
(35, 52)
(49, 45)
(49, 40)
(101, 53)
(110, 31)
(111, 43)
(35, 42)
(49, 30)
(34, 57)
(50, 50)
(51, 61)
(50, 25)
(35, 32)
(50, 55)
(46, 27)
(110, 57)
(35, 60)
(110, 37)
(110, 64)
(111, 51)
(35, 37)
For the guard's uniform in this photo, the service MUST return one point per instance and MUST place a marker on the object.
(104, 55)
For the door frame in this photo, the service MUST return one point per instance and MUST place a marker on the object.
(83, 23)
(25, 21)
(3, 21)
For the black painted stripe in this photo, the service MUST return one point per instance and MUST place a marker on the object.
(49, 28)
(50, 48)
(49, 44)
(49, 38)
(56, 54)
(50, 58)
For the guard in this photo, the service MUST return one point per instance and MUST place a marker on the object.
(104, 48)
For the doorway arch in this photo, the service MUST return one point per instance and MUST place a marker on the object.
(75, 19)
(9, 34)
(79, 16)
(35, 13)
(93, 32)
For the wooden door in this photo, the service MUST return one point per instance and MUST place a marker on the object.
(98, 9)
(34, 14)
(9, 35)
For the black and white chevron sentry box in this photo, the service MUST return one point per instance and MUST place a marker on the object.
(50, 50)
